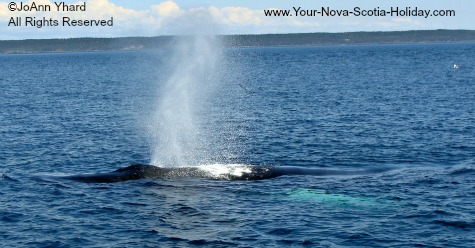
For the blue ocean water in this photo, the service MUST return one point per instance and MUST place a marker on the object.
(338, 107)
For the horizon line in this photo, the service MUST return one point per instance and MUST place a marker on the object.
(225, 35)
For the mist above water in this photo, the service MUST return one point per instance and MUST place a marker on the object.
(178, 126)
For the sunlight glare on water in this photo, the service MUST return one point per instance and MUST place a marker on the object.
(224, 170)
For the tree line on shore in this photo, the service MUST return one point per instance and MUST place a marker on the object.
(298, 39)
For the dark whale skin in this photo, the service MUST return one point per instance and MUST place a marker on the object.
(257, 172)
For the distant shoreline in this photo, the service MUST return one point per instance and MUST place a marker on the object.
(258, 40)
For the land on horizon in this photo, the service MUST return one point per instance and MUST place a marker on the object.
(258, 40)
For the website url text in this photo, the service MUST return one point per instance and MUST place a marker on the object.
(357, 11)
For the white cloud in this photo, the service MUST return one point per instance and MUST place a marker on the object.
(168, 8)
(241, 16)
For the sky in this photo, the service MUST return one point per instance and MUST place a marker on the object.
(121, 18)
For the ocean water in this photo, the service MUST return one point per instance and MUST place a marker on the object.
(336, 107)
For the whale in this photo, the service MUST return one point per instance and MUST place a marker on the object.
(247, 172)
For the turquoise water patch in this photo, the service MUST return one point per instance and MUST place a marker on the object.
(333, 199)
